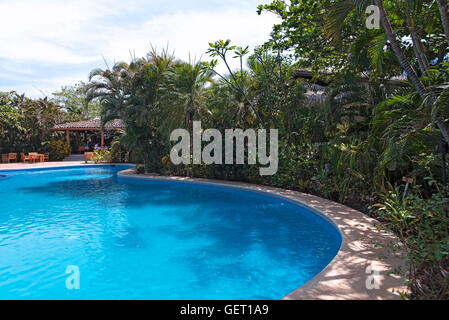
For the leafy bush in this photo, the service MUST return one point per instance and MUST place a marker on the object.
(12, 133)
(58, 150)
(117, 152)
(25, 123)
(101, 156)
(422, 225)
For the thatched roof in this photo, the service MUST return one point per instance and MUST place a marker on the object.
(115, 124)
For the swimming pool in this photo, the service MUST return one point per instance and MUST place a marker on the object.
(133, 239)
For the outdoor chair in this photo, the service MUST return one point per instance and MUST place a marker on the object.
(88, 156)
(4, 158)
(46, 157)
(12, 157)
(25, 158)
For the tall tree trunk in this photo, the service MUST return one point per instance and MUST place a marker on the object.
(442, 51)
(418, 49)
(442, 4)
(443, 130)
(411, 73)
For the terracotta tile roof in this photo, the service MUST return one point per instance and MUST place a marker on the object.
(90, 124)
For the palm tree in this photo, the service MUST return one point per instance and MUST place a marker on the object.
(131, 92)
(418, 47)
(184, 94)
(338, 15)
(229, 105)
(411, 74)
(107, 86)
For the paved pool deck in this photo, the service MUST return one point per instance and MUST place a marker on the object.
(362, 268)
(20, 165)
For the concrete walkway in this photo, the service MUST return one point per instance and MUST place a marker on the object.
(20, 165)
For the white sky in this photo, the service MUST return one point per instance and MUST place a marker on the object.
(46, 44)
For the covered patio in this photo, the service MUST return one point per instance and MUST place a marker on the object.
(88, 126)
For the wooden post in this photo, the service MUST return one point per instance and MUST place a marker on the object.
(102, 140)
(67, 136)
(407, 181)
(77, 133)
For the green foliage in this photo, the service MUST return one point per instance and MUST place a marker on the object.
(73, 100)
(133, 92)
(421, 223)
(331, 35)
(101, 156)
(58, 150)
(117, 151)
(12, 133)
(25, 123)
(183, 95)
(302, 29)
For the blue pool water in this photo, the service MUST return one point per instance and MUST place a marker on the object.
(133, 239)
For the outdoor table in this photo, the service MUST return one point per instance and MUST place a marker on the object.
(37, 157)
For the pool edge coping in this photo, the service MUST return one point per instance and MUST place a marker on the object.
(58, 165)
(348, 275)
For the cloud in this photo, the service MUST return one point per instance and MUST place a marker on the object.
(55, 43)
(190, 33)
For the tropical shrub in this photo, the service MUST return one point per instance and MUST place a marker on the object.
(12, 133)
(117, 151)
(25, 123)
(101, 156)
(58, 150)
(422, 225)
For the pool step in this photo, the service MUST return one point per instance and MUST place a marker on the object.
(74, 157)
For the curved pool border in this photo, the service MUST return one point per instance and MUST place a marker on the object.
(362, 268)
